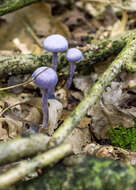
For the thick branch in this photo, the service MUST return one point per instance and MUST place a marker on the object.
(22, 147)
(23, 64)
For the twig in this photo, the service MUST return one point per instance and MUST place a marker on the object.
(9, 107)
(24, 83)
(17, 85)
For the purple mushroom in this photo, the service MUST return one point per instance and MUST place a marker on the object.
(45, 78)
(73, 55)
(55, 43)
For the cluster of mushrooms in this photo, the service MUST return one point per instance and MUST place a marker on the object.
(46, 78)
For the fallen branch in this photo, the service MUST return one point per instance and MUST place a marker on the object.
(22, 147)
(96, 53)
(29, 166)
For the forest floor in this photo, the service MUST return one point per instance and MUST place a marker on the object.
(109, 128)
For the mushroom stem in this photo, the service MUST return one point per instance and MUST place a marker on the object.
(54, 66)
(54, 61)
(51, 92)
(45, 107)
(71, 73)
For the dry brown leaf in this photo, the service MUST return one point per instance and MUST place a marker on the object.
(61, 95)
(129, 81)
(79, 138)
(84, 122)
(95, 8)
(76, 95)
(91, 148)
(34, 115)
(129, 5)
(119, 26)
(84, 83)
(12, 127)
(112, 152)
(21, 46)
(35, 102)
(27, 25)
(3, 133)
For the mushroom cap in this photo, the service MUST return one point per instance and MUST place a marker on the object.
(46, 77)
(74, 54)
(55, 43)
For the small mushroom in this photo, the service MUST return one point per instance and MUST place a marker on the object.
(55, 43)
(45, 78)
(73, 55)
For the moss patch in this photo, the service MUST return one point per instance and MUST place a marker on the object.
(124, 137)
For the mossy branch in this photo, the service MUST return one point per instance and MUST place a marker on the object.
(131, 66)
(22, 147)
(96, 53)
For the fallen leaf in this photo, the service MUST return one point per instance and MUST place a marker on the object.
(61, 95)
(119, 26)
(28, 26)
(12, 127)
(85, 122)
(84, 83)
(78, 139)
(3, 133)
(34, 115)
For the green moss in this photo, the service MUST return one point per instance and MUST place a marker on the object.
(124, 137)
(90, 174)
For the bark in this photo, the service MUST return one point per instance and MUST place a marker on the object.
(89, 173)
(22, 147)
(23, 64)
